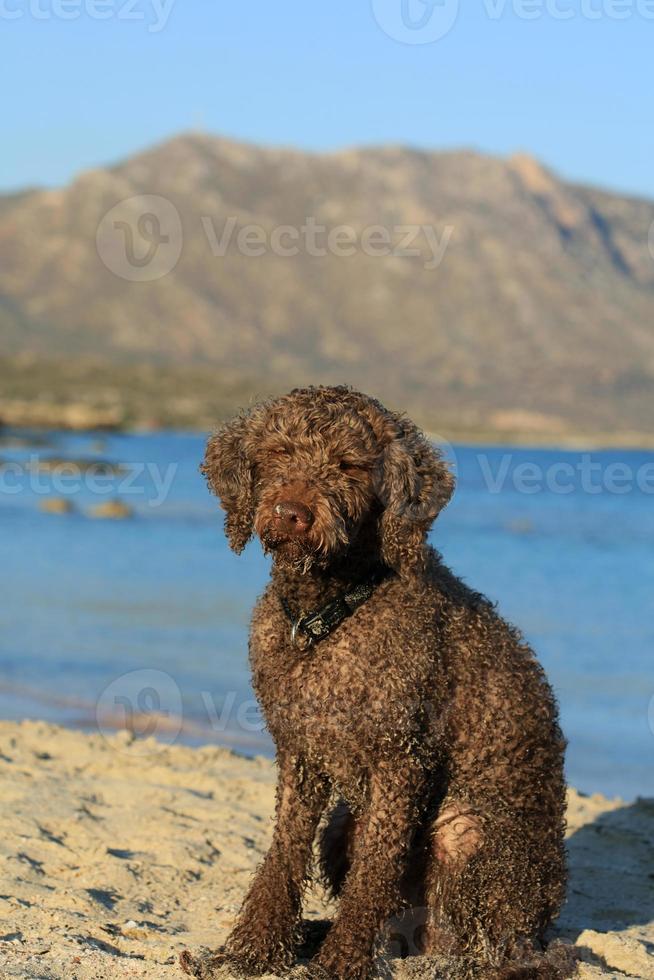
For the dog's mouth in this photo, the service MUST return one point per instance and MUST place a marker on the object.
(277, 543)
(286, 546)
(289, 551)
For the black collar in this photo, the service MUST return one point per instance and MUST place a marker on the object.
(314, 626)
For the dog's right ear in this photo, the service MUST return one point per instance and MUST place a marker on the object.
(230, 475)
(414, 485)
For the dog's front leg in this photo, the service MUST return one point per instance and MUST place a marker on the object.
(371, 891)
(263, 938)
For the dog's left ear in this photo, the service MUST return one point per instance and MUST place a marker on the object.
(414, 484)
(230, 474)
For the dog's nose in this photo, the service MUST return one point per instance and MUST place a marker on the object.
(295, 516)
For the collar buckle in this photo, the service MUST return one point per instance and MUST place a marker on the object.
(297, 632)
(320, 624)
(314, 626)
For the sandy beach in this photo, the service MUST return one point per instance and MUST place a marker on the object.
(117, 854)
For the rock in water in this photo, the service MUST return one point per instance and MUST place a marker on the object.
(111, 510)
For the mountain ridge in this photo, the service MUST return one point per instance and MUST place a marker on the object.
(541, 306)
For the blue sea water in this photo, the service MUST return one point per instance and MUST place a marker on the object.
(151, 613)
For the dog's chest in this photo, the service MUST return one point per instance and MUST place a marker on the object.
(322, 697)
(336, 703)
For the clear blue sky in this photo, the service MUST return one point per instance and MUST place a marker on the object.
(576, 92)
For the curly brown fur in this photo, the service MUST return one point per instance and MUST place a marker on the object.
(423, 723)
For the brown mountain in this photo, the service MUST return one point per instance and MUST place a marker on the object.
(538, 318)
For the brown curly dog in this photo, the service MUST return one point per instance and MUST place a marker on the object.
(417, 737)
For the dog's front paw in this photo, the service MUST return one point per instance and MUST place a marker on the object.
(205, 965)
(222, 963)
(329, 965)
(242, 961)
(194, 966)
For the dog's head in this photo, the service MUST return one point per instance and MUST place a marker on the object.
(309, 471)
